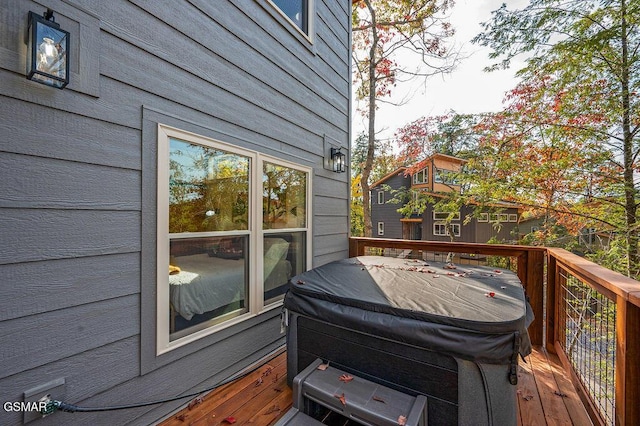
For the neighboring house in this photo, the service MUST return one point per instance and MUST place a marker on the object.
(153, 210)
(438, 176)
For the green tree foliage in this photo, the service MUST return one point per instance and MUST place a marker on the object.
(573, 122)
(384, 163)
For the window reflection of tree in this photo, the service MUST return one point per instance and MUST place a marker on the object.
(208, 189)
(284, 197)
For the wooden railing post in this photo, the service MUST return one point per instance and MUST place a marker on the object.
(355, 248)
(552, 308)
(531, 273)
(627, 358)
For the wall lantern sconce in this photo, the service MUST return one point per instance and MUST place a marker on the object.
(48, 56)
(338, 160)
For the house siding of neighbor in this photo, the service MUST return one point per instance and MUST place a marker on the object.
(86, 189)
(500, 222)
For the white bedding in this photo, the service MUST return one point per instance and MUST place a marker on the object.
(206, 283)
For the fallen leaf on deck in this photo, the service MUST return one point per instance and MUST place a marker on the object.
(561, 394)
(527, 397)
(346, 378)
(195, 402)
(267, 371)
(342, 399)
(449, 266)
(258, 382)
(436, 276)
(497, 271)
(323, 367)
(181, 417)
(402, 420)
(231, 420)
(300, 282)
(377, 398)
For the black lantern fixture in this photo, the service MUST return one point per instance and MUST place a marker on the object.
(48, 56)
(338, 160)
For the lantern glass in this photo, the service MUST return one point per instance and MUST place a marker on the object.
(49, 49)
(338, 159)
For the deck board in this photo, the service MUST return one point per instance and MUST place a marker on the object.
(545, 397)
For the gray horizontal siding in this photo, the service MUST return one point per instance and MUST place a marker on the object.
(51, 183)
(57, 284)
(77, 225)
(36, 340)
(46, 234)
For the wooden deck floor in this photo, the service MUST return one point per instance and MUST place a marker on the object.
(545, 396)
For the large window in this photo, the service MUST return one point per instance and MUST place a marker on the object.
(442, 229)
(297, 11)
(421, 177)
(226, 248)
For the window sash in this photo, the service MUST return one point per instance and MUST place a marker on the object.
(442, 230)
(380, 197)
(255, 235)
(380, 228)
(445, 215)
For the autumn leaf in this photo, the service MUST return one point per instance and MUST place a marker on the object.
(402, 420)
(258, 382)
(323, 367)
(195, 402)
(342, 399)
(231, 420)
(378, 399)
(346, 378)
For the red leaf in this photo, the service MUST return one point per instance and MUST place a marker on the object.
(346, 378)
(231, 420)
(377, 398)
(323, 367)
(402, 420)
(342, 399)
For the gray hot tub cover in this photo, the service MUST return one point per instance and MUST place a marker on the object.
(472, 312)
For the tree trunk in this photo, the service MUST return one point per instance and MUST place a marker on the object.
(632, 237)
(371, 145)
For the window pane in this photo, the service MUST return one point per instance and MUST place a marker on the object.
(208, 189)
(208, 282)
(284, 197)
(295, 10)
(285, 256)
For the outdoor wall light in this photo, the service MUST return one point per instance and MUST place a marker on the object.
(48, 56)
(338, 160)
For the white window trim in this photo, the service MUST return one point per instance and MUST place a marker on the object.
(256, 235)
(455, 226)
(504, 217)
(445, 215)
(380, 228)
(513, 217)
(310, 19)
(425, 176)
(483, 217)
(380, 197)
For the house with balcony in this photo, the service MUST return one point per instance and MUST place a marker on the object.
(436, 177)
(166, 167)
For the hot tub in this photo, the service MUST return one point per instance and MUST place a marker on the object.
(451, 333)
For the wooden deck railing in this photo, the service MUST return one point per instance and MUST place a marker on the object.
(593, 325)
(587, 306)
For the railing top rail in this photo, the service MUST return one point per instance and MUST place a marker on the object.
(598, 276)
(445, 246)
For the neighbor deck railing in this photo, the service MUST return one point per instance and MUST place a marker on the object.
(591, 320)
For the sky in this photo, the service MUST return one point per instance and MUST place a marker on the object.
(468, 89)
